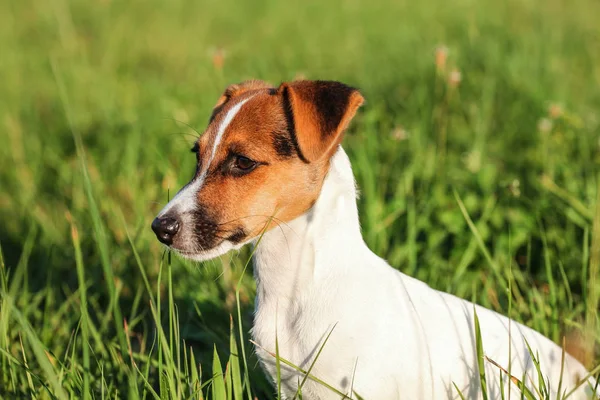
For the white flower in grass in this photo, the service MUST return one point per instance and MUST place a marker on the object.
(545, 125)
(472, 160)
(454, 78)
(515, 188)
(399, 134)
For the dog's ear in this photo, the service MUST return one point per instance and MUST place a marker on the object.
(319, 112)
(236, 90)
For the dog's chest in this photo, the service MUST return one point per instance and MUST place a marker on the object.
(294, 324)
(296, 329)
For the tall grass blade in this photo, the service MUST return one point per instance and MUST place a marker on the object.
(562, 368)
(234, 362)
(458, 391)
(312, 364)
(551, 285)
(228, 379)
(168, 387)
(495, 267)
(586, 381)
(525, 392)
(32, 391)
(41, 355)
(541, 387)
(85, 335)
(480, 356)
(592, 315)
(277, 362)
(218, 383)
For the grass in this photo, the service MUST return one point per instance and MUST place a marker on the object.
(478, 165)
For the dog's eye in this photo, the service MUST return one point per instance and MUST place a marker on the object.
(244, 164)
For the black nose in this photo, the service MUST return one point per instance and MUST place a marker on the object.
(165, 229)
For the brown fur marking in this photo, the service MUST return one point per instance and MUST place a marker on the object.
(291, 132)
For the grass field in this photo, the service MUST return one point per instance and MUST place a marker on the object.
(477, 154)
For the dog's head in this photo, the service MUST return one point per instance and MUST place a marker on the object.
(262, 160)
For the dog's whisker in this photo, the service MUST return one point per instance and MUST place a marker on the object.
(249, 216)
(183, 123)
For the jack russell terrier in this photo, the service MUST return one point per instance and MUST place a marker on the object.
(271, 172)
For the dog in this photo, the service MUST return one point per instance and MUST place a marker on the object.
(271, 171)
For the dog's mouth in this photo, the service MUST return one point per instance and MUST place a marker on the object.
(237, 235)
(197, 239)
(184, 253)
(204, 254)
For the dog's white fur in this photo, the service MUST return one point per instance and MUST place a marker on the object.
(392, 337)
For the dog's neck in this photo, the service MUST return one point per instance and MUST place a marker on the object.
(317, 246)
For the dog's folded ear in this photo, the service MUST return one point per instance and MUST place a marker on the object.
(237, 89)
(318, 112)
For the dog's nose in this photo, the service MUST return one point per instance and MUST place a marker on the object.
(165, 229)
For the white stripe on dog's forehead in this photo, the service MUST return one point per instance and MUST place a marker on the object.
(224, 124)
(185, 199)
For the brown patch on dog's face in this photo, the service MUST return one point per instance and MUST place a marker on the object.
(261, 161)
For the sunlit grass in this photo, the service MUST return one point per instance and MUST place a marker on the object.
(477, 155)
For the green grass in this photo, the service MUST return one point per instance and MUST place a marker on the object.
(475, 186)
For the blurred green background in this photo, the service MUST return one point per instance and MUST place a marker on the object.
(477, 154)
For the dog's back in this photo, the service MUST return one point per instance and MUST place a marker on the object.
(446, 333)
